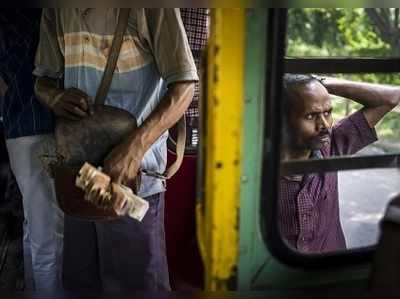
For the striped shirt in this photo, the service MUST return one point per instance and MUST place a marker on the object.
(75, 44)
(21, 112)
(308, 209)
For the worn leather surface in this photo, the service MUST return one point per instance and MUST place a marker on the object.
(93, 137)
(87, 140)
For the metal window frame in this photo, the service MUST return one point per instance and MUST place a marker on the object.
(342, 65)
(277, 64)
(340, 163)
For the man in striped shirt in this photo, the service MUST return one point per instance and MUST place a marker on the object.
(154, 81)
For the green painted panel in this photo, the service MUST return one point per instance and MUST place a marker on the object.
(252, 252)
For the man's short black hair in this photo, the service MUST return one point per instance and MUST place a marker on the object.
(290, 81)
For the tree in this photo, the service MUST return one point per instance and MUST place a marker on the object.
(339, 32)
(386, 21)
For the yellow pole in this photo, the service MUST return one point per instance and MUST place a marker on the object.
(217, 213)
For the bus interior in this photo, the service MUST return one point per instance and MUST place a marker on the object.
(221, 217)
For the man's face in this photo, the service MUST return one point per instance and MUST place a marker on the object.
(310, 119)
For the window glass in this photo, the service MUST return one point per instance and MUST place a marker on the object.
(334, 211)
(324, 212)
(388, 129)
(361, 32)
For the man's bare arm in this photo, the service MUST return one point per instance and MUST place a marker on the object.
(377, 99)
(123, 162)
(167, 113)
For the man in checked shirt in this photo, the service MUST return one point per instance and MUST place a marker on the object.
(308, 207)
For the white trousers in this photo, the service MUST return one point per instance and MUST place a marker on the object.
(43, 224)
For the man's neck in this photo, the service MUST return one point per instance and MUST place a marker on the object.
(295, 154)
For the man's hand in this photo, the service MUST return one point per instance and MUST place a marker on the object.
(72, 104)
(123, 162)
(377, 99)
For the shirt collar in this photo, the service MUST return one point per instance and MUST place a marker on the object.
(316, 154)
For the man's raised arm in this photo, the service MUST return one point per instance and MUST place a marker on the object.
(377, 99)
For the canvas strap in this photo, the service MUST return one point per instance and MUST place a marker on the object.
(107, 79)
(113, 57)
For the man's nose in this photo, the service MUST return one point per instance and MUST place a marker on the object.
(322, 122)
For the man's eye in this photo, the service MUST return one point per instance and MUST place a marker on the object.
(309, 116)
(327, 113)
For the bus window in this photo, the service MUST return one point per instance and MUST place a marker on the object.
(360, 203)
(329, 193)
(345, 216)
(343, 32)
(387, 129)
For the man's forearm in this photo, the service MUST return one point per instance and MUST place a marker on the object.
(367, 94)
(168, 112)
(46, 90)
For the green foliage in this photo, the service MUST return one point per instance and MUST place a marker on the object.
(337, 32)
(334, 32)
(387, 129)
(312, 32)
(360, 36)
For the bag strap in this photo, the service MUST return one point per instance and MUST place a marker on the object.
(180, 148)
(113, 57)
(107, 79)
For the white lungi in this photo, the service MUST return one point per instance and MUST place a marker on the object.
(43, 224)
